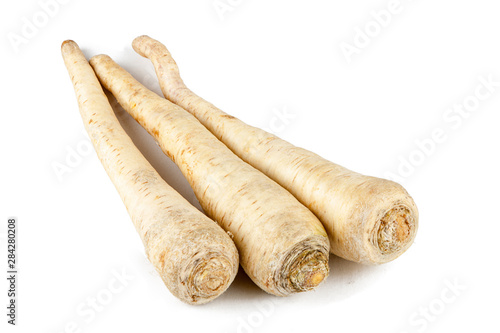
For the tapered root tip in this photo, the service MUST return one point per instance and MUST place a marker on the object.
(68, 42)
(304, 267)
(139, 44)
(99, 58)
(141, 38)
(68, 45)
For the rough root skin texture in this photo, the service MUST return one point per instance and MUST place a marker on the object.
(207, 275)
(346, 202)
(394, 230)
(304, 267)
(283, 246)
(195, 258)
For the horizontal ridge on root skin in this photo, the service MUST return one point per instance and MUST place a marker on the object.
(354, 209)
(267, 222)
(195, 258)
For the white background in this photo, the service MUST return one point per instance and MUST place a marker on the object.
(255, 60)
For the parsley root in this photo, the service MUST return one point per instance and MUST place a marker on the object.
(195, 258)
(283, 247)
(368, 219)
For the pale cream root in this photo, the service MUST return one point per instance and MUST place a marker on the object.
(368, 220)
(283, 247)
(196, 259)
